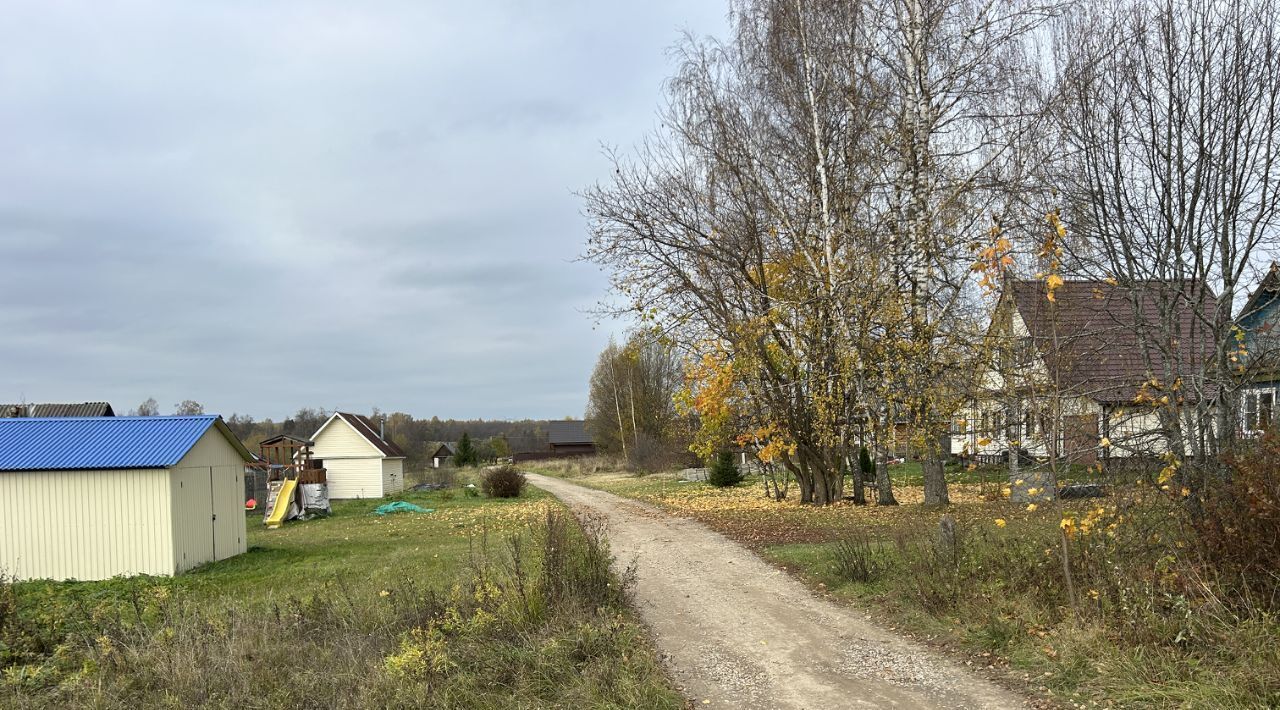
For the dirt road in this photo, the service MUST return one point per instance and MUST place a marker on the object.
(741, 634)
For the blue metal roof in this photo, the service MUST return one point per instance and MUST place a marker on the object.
(79, 443)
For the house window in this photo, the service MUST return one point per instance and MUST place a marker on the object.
(1026, 351)
(1259, 409)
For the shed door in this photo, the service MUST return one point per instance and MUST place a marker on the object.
(192, 517)
(227, 515)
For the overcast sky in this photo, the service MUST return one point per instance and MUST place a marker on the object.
(266, 205)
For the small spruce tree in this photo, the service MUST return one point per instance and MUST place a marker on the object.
(466, 454)
(724, 472)
(865, 463)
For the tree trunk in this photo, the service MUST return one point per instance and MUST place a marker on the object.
(859, 490)
(884, 484)
(935, 479)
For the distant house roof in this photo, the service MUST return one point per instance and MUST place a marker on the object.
(568, 431)
(282, 438)
(96, 443)
(368, 430)
(446, 448)
(83, 409)
(1089, 336)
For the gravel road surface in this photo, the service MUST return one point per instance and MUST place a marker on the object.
(740, 633)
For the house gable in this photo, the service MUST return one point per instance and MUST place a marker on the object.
(1260, 320)
(337, 438)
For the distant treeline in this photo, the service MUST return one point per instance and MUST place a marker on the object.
(418, 437)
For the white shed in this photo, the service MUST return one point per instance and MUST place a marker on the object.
(97, 497)
(359, 463)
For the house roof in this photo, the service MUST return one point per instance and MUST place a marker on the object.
(568, 431)
(82, 409)
(280, 438)
(1089, 336)
(448, 447)
(365, 428)
(1267, 289)
(96, 443)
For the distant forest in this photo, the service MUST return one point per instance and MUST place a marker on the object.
(418, 437)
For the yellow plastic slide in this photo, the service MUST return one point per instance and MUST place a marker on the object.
(283, 499)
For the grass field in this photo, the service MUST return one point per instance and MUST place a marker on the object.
(461, 607)
(1139, 623)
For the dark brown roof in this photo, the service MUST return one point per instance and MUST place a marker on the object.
(83, 409)
(287, 437)
(568, 431)
(1089, 337)
(369, 431)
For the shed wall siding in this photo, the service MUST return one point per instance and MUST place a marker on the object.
(392, 476)
(220, 464)
(85, 525)
(354, 478)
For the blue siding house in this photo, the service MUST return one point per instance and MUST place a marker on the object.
(1260, 320)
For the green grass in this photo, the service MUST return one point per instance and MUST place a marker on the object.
(1001, 601)
(461, 607)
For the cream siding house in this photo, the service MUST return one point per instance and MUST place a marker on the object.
(359, 462)
(95, 498)
(1067, 377)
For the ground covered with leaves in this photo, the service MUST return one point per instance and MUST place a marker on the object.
(480, 603)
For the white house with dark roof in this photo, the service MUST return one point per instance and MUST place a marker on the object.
(1067, 377)
(360, 462)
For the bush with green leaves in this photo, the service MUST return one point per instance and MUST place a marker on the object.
(724, 472)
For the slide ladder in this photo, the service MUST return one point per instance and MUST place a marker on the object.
(283, 499)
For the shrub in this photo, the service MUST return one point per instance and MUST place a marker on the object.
(503, 482)
(1239, 527)
(724, 472)
(857, 560)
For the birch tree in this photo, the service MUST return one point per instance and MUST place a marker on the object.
(1170, 159)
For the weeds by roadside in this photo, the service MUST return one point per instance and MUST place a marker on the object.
(539, 622)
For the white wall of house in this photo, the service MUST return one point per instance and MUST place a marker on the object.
(392, 475)
(353, 465)
(1131, 431)
(354, 477)
(91, 525)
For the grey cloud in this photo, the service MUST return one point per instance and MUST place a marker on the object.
(268, 205)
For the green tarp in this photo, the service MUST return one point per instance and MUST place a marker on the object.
(400, 506)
